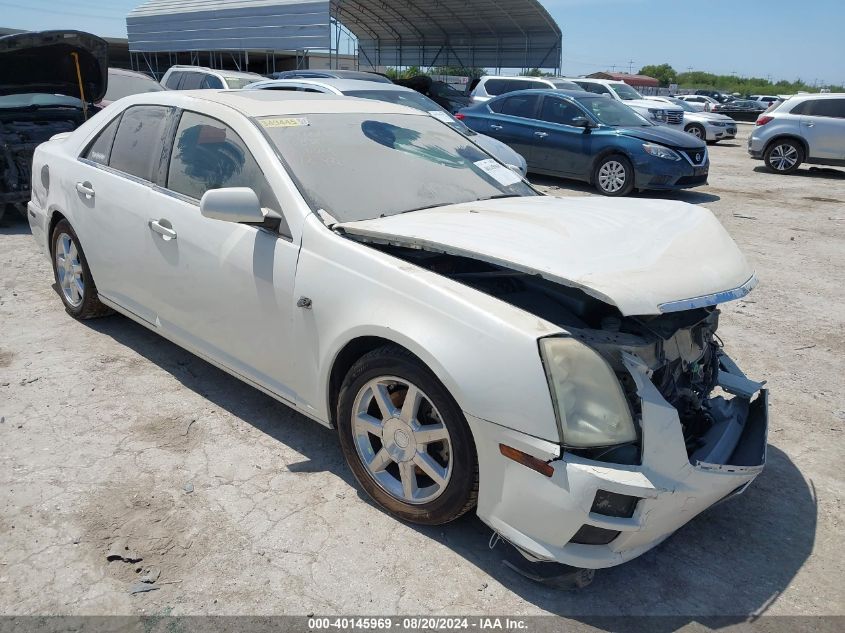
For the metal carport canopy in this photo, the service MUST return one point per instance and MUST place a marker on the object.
(468, 33)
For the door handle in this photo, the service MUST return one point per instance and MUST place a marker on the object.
(166, 232)
(85, 189)
(493, 126)
(540, 134)
(809, 124)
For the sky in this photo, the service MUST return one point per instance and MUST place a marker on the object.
(780, 39)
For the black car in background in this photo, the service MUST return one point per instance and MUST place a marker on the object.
(741, 109)
(440, 92)
(41, 96)
(721, 97)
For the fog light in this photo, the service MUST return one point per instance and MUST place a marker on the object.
(610, 504)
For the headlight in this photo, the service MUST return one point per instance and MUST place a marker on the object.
(660, 151)
(717, 123)
(657, 115)
(590, 405)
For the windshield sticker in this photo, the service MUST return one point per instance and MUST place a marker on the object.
(286, 122)
(441, 116)
(499, 173)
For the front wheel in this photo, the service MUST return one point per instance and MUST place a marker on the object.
(696, 130)
(405, 438)
(784, 156)
(73, 277)
(614, 176)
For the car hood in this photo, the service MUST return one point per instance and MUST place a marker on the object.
(41, 62)
(654, 105)
(663, 135)
(641, 256)
(709, 116)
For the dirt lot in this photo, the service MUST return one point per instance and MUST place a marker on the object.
(111, 435)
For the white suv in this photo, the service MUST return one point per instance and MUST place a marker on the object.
(808, 128)
(200, 77)
(668, 115)
(491, 86)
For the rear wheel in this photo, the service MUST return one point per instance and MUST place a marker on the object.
(784, 156)
(614, 176)
(73, 277)
(405, 438)
(696, 130)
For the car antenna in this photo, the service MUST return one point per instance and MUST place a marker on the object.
(75, 56)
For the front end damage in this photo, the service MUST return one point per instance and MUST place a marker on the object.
(701, 428)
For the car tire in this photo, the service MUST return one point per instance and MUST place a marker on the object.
(614, 176)
(783, 156)
(418, 462)
(73, 277)
(696, 130)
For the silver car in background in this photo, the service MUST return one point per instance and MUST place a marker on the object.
(708, 126)
(400, 96)
(807, 128)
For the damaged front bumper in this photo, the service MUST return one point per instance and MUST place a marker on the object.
(594, 514)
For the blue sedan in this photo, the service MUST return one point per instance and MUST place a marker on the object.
(589, 137)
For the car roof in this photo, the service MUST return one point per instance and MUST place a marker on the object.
(518, 77)
(261, 103)
(343, 85)
(574, 94)
(206, 69)
(595, 81)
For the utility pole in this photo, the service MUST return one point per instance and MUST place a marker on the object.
(631, 67)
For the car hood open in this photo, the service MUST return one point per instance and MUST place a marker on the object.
(41, 62)
(642, 256)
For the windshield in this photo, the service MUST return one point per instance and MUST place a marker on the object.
(610, 112)
(236, 83)
(413, 100)
(364, 166)
(686, 107)
(625, 92)
(125, 85)
(566, 85)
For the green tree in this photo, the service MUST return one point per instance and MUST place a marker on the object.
(535, 72)
(663, 73)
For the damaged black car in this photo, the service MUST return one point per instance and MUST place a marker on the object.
(49, 81)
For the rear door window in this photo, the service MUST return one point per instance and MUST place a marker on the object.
(139, 141)
(524, 106)
(598, 89)
(559, 111)
(173, 80)
(502, 86)
(834, 108)
(192, 81)
(100, 150)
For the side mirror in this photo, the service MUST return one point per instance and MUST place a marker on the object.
(235, 204)
(584, 122)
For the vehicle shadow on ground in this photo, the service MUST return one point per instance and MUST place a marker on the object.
(555, 185)
(811, 172)
(734, 560)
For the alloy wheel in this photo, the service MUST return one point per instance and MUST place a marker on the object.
(69, 269)
(612, 176)
(783, 157)
(401, 440)
(695, 131)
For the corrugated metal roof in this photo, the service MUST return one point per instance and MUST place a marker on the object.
(498, 33)
(229, 25)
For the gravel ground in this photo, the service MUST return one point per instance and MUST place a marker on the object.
(112, 439)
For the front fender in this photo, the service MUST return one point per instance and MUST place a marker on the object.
(483, 350)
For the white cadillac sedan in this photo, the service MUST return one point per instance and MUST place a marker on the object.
(551, 363)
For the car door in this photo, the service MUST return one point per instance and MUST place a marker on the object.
(224, 290)
(561, 147)
(823, 127)
(112, 198)
(516, 122)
